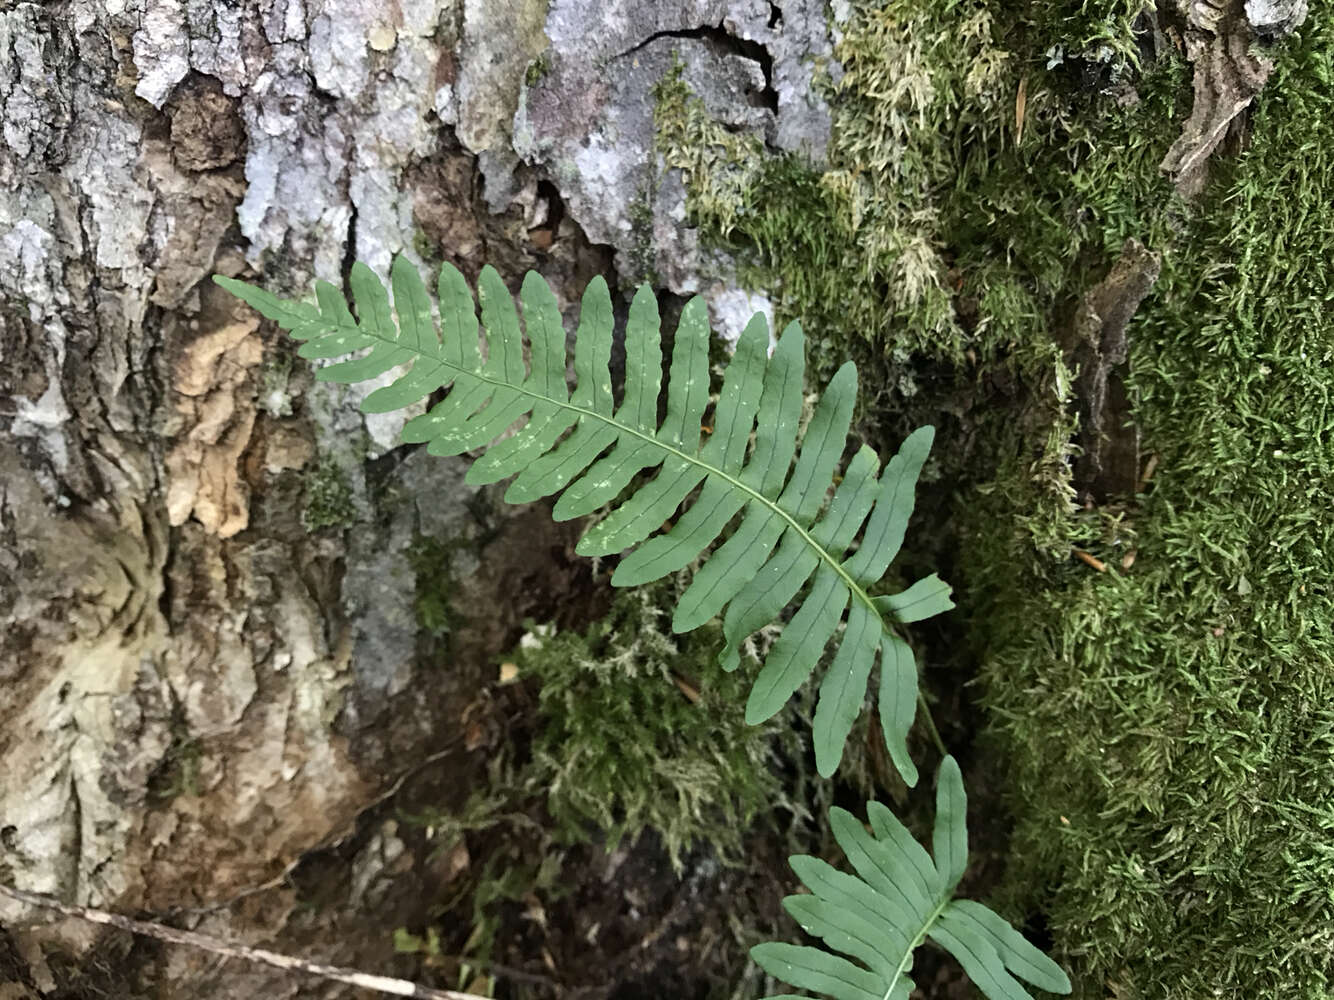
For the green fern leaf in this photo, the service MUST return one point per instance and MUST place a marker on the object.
(583, 447)
(899, 898)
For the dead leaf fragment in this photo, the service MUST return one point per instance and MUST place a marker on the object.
(1093, 561)
(1020, 106)
(689, 690)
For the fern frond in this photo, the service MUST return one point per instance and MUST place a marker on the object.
(899, 898)
(585, 448)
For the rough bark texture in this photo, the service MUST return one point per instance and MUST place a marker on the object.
(208, 651)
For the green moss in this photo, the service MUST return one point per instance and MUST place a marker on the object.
(1166, 728)
(855, 247)
(177, 774)
(720, 165)
(427, 248)
(329, 502)
(636, 731)
(936, 231)
(643, 730)
(1170, 725)
(641, 256)
(430, 559)
(537, 69)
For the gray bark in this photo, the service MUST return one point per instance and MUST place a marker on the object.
(195, 689)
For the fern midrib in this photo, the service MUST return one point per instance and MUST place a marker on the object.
(852, 585)
(916, 943)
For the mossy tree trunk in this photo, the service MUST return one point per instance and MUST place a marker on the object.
(233, 614)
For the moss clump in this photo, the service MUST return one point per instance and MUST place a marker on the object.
(855, 247)
(431, 560)
(642, 730)
(537, 69)
(1167, 727)
(941, 229)
(637, 731)
(1171, 725)
(426, 247)
(329, 502)
(721, 166)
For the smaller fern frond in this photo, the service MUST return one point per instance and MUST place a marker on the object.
(898, 899)
(581, 446)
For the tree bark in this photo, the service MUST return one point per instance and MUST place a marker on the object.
(204, 676)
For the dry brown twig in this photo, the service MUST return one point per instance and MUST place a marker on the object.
(228, 949)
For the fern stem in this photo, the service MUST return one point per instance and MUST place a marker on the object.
(921, 936)
(930, 723)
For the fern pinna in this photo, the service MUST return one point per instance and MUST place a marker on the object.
(899, 898)
(583, 446)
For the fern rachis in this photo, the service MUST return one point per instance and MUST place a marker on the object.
(585, 448)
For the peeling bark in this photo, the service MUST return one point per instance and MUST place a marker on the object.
(1224, 42)
(198, 691)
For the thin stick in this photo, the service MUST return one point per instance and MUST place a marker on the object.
(329, 842)
(205, 942)
(1093, 561)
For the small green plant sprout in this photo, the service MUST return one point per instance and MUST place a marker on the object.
(900, 897)
(587, 448)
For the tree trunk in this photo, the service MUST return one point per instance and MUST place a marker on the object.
(208, 647)
(251, 646)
